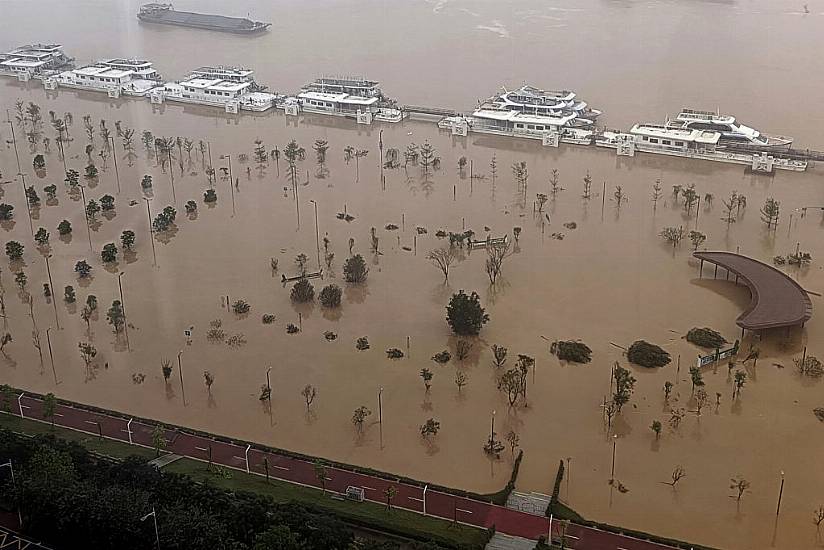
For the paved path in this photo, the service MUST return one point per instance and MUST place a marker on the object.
(294, 470)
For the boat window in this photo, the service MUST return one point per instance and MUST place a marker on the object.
(653, 140)
(530, 126)
(666, 142)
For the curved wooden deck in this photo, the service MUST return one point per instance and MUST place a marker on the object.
(777, 300)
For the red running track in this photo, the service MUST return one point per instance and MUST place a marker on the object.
(295, 470)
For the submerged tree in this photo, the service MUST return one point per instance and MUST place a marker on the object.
(359, 416)
(465, 314)
(770, 212)
(355, 270)
(442, 258)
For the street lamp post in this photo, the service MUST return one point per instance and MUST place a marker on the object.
(14, 483)
(492, 430)
(53, 290)
(268, 385)
(231, 180)
(154, 518)
(151, 232)
(14, 140)
(317, 231)
(26, 198)
(86, 216)
(614, 444)
(780, 494)
(116, 171)
(123, 306)
(51, 355)
(380, 406)
(180, 372)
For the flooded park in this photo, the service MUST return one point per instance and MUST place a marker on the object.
(585, 260)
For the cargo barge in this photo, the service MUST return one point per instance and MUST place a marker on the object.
(165, 14)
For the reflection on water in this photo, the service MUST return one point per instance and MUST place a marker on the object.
(611, 279)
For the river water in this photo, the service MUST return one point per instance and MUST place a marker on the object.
(609, 280)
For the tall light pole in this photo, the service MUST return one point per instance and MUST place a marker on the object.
(780, 494)
(53, 290)
(317, 231)
(154, 517)
(380, 406)
(180, 372)
(26, 198)
(51, 355)
(116, 171)
(614, 444)
(86, 215)
(14, 483)
(231, 180)
(123, 306)
(14, 141)
(268, 385)
(492, 430)
(151, 232)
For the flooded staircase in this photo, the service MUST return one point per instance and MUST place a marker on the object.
(529, 503)
(499, 541)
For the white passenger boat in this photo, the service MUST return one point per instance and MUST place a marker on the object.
(134, 77)
(352, 97)
(732, 132)
(232, 88)
(690, 143)
(538, 102)
(34, 61)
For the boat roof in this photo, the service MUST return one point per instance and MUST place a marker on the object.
(339, 98)
(347, 81)
(22, 62)
(683, 134)
(537, 93)
(214, 84)
(515, 116)
(689, 115)
(127, 62)
(226, 71)
(36, 49)
(102, 70)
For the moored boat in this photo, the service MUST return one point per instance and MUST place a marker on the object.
(691, 143)
(165, 14)
(34, 61)
(127, 76)
(232, 88)
(352, 97)
(732, 132)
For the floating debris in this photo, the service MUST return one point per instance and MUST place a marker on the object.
(571, 225)
(292, 329)
(330, 336)
(442, 357)
(362, 343)
(394, 353)
(391, 227)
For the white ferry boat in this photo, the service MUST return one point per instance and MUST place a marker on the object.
(352, 97)
(34, 61)
(690, 143)
(534, 101)
(134, 77)
(232, 88)
(732, 132)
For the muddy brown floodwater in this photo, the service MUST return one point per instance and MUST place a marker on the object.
(611, 279)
